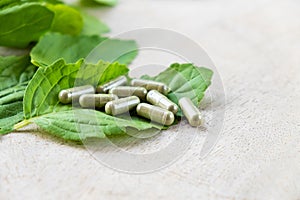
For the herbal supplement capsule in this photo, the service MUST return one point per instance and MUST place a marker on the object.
(155, 114)
(122, 80)
(158, 99)
(191, 112)
(121, 106)
(66, 96)
(151, 85)
(126, 91)
(95, 100)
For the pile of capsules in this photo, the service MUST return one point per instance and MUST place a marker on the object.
(118, 98)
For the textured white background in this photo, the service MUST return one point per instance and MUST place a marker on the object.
(256, 47)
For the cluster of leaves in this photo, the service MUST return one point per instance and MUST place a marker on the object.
(24, 21)
(63, 38)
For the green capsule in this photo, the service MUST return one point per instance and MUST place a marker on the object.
(151, 85)
(120, 106)
(126, 91)
(72, 94)
(156, 114)
(122, 80)
(95, 100)
(190, 111)
(158, 99)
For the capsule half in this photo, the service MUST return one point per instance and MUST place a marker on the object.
(126, 91)
(158, 99)
(120, 106)
(95, 100)
(190, 111)
(151, 85)
(72, 94)
(156, 114)
(122, 80)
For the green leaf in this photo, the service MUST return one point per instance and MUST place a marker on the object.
(107, 2)
(67, 20)
(73, 48)
(185, 80)
(15, 71)
(114, 50)
(84, 123)
(93, 3)
(92, 25)
(10, 114)
(41, 95)
(112, 71)
(23, 24)
(11, 107)
(9, 3)
(12, 94)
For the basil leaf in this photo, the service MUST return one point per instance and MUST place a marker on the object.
(23, 24)
(84, 123)
(12, 94)
(41, 95)
(73, 48)
(67, 20)
(185, 80)
(107, 2)
(92, 3)
(15, 71)
(9, 3)
(10, 114)
(11, 110)
(92, 25)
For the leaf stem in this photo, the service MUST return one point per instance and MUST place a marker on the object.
(21, 124)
